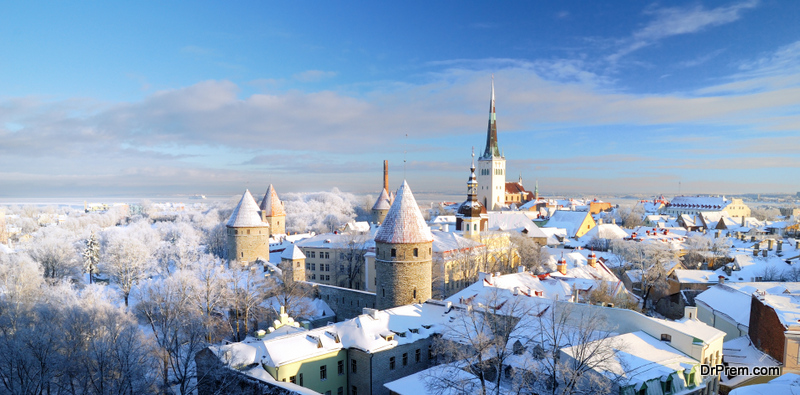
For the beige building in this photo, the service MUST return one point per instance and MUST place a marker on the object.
(248, 235)
(272, 212)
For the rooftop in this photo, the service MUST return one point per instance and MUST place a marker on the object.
(404, 223)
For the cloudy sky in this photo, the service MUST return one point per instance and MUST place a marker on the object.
(159, 98)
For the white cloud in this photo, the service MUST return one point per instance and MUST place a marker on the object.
(675, 21)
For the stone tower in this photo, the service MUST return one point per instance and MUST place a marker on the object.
(293, 264)
(403, 248)
(272, 212)
(248, 236)
(471, 218)
(492, 167)
(381, 207)
(384, 201)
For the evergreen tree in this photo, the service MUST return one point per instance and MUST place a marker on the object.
(91, 256)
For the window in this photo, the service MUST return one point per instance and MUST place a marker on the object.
(353, 390)
(323, 372)
(301, 379)
(416, 252)
(313, 276)
(293, 379)
(353, 366)
(327, 255)
(313, 266)
(327, 267)
(405, 358)
(394, 252)
(391, 363)
(308, 266)
(415, 293)
(416, 355)
(328, 392)
(666, 338)
(341, 368)
(340, 391)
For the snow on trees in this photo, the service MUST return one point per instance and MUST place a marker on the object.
(127, 258)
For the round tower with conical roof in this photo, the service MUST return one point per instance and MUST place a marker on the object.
(403, 252)
(248, 235)
(272, 212)
(381, 207)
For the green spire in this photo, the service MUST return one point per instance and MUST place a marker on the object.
(491, 135)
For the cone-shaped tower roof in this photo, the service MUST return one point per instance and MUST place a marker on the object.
(271, 204)
(492, 150)
(404, 223)
(245, 215)
(383, 202)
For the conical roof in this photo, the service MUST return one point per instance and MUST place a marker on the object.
(383, 202)
(245, 215)
(293, 253)
(271, 205)
(404, 223)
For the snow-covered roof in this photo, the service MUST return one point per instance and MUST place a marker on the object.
(788, 383)
(751, 268)
(245, 215)
(444, 242)
(727, 300)
(423, 382)
(493, 288)
(382, 203)
(569, 220)
(271, 204)
(699, 202)
(578, 265)
(357, 226)
(292, 253)
(696, 328)
(685, 276)
(641, 357)
(337, 240)
(518, 221)
(604, 231)
(742, 352)
(404, 223)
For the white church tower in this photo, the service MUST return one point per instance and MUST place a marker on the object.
(492, 167)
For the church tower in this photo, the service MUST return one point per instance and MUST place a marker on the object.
(248, 235)
(471, 218)
(492, 167)
(272, 212)
(403, 253)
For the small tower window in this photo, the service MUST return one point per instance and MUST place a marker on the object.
(248, 231)
(416, 252)
(415, 293)
(242, 254)
(394, 252)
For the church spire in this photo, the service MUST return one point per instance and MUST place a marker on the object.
(491, 135)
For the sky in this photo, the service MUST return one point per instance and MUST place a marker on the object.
(167, 98)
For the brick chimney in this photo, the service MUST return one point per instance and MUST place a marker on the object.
(592, 260)
(561, 266)
(386, 175)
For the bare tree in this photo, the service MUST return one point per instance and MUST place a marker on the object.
(294, 296)
(248, 291)
(177, 327)
(531, 255)
(212, 296)
(652, 261)
(630, 216)
(349, 263)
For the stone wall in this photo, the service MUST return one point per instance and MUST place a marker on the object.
(403, 278)
(248, 244)
(277, 224)
(346, 303)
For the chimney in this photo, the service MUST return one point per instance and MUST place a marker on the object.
(593, 260)
(764, 253)
(690, 312)
(770, 244)
(780, 246)
(561, 266)
(386, 175)
(722, 280)
(520, 269)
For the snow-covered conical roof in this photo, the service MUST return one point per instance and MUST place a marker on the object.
(404, 223)
(383, 202)
(271, 205)
(245, 215)
(293, 253)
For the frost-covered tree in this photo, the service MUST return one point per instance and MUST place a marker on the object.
(126, 260)
(651, 261)
(212, 296)
(54, 249)
(91, 256)
(320, 211)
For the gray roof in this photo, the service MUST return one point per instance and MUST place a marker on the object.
(292, 253)
(245, 215)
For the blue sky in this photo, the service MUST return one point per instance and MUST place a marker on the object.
(145, 98)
